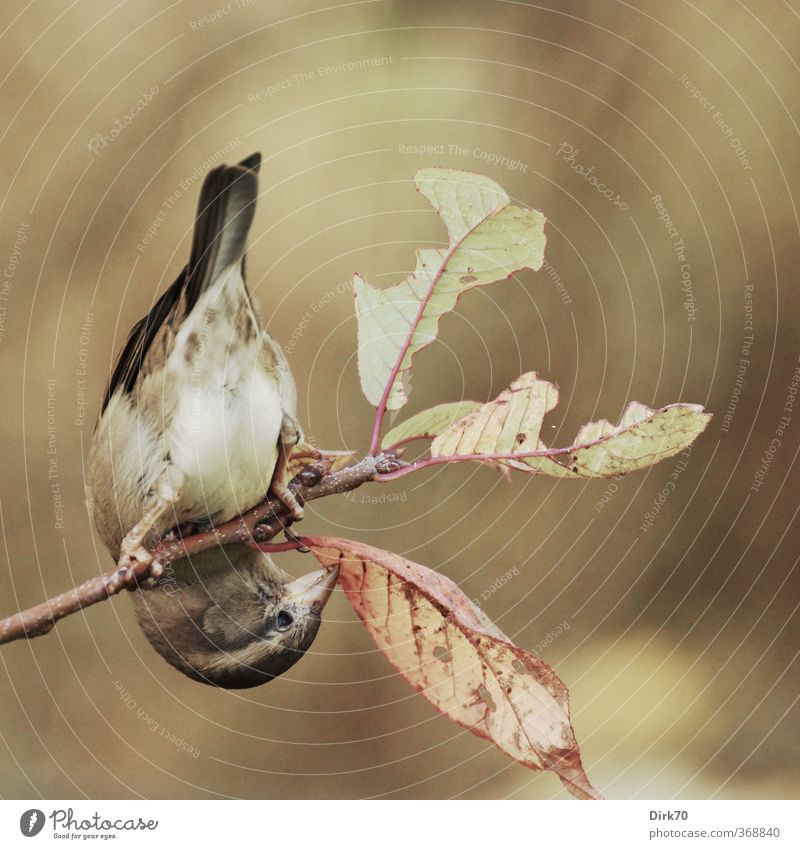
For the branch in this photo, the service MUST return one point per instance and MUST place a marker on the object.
(258, 526)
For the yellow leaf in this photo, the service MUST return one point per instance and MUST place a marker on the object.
(508, 430)
(489, 240)
(429, 422)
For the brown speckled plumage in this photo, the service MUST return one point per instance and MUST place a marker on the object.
(188, 433)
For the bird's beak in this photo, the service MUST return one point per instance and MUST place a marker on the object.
(314, 589)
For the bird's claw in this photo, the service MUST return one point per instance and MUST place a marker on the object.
(187, 529)
(289, 500)
(292, 537)
(137, 559)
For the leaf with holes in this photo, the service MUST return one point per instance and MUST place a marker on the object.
(489, 240)
(508, 430)
(448, 650)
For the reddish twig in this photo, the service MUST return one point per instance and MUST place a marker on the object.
(278, 547)
(426, 462)
(257, 526)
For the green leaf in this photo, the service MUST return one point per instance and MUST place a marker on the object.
(489, 240)
(428, 423)
(508, 430)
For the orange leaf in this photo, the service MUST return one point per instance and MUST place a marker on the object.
(450, 652)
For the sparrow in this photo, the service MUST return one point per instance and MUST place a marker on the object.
(195, 427)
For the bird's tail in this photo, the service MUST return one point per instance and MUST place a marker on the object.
(225, 213)
(224, 216)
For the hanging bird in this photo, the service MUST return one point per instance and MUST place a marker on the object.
(194, 429)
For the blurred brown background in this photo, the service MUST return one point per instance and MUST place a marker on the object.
(682, 648)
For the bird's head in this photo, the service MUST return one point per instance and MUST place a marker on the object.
(237, 623)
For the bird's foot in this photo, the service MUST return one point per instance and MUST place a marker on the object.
(286, 497)
(279, 486)
(137, 568)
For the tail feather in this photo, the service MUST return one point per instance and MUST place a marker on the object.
(225, 214)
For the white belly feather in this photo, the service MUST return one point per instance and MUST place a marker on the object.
(224, 429)
(225, 443)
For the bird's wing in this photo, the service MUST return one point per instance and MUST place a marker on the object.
(224, 215)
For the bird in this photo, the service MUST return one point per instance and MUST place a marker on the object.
(195, 427)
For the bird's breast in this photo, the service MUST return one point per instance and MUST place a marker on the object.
(224, 429)
(224, 439)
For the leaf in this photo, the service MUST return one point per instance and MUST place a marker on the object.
(508, 429)
(489, 240)
(448, 650)
(428, 423)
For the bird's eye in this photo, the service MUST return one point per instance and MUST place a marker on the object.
(284, 621)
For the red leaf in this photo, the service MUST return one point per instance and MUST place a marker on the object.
(449, 651)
